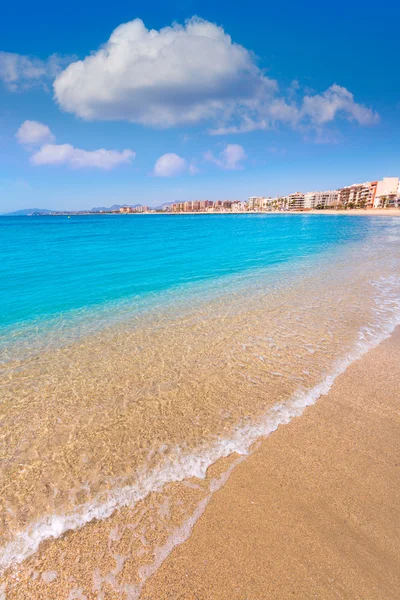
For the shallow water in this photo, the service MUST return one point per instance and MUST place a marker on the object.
(137, 351)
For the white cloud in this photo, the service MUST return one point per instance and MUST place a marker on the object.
(33, 133)
(189, 74)
(18, 72)
(248, 124)
(230, 158)
(65, 154)
(180, 74)
(264, 114)
(323, 108)
(170, 165)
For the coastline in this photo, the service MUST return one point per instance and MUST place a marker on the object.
(374, 212)
(315, 511)
(312, 512)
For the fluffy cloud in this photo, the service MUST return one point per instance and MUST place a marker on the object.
(18, 72)
(188, 74)
(315, 111)
(32, 133)
(178, 75)
(65, 154)
(323, 108)
(230, 158)
(170, 165)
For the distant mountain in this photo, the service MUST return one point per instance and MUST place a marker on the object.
(28, 212)
(113, 207)
(164, 205)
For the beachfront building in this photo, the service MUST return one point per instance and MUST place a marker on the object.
(310, 200)
(358, 195)
(237, 206)
(370, 194)
(387, 192)
(328, 199)
(293, 201)
(267, 204)
(261, 203)
(254, 203)
(202, 206)
(205, 204)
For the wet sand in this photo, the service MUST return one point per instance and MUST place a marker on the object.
(314, 512)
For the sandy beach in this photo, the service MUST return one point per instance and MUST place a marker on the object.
(374, 212)
(315, 511)
(199, 303)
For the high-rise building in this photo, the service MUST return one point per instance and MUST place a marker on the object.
(204, 204)
(358, 195)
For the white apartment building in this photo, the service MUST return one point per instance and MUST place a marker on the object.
(238, 206)
(267, 203)
(385, 192)
(260, 203)
(293, 201)
(254, 202)
(388, 189)
(321, 199)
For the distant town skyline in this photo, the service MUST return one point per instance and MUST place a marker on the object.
(191, 100)
(384, 193)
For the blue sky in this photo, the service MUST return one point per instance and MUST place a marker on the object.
(242, 100)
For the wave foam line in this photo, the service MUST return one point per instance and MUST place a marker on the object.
(177, 537)
(183, 466)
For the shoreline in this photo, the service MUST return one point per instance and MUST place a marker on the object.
(300, 492)
(314, 511)
(371, 212)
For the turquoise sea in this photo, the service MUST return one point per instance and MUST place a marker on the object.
(54, 265)
(138, 350)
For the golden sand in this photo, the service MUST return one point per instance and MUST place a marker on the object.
(368, 212)
(314, 512)
(371, 212)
